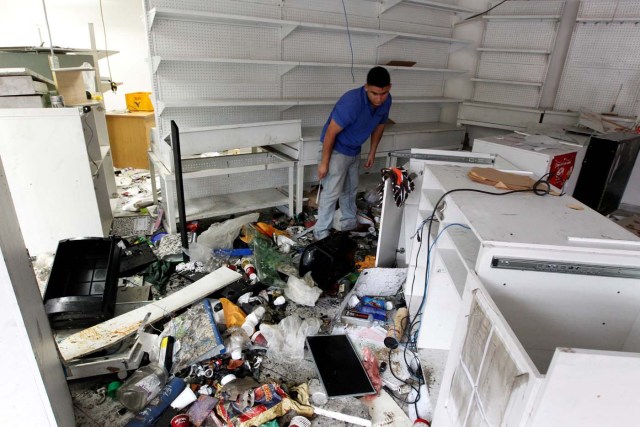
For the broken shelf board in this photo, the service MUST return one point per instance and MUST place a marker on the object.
(114, 330)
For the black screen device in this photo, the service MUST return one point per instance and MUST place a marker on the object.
(339, 367)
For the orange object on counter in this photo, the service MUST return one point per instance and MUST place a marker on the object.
(233, 315)
(368, 262)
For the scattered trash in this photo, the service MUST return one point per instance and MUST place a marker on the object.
(302, 291)
(143, 385)
(221, 235)
(184, 399)
(370, 363)
(196, 334)
(233, 315)
(317, 393)
(200, 410)
(286, 340)
(151, 413)
(401, 184)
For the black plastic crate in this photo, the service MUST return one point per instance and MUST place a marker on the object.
(329, 259)
(83, 284)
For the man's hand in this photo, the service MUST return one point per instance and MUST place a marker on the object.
(370, 161)
(323, 169)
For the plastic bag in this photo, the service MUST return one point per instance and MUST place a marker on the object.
(222, 234)
(302, 291)
(371, 365)
(198, 252)
(286, 340)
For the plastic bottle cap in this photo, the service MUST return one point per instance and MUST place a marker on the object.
(249, 329)
(353, 301)
(236, 354)
(227, 379)
(388, 305)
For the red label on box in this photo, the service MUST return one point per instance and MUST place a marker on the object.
(561, 169)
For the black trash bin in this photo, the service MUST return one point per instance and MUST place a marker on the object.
(82, 287)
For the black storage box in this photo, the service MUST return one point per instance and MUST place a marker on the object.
(329, 259)
(606, 169)
(82, 287)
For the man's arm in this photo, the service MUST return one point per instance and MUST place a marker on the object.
(327, 147)
(376, 136)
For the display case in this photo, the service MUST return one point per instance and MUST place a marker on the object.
(58, 172)
(528, 300)
(222, 179)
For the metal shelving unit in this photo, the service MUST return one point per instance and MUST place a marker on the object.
(516, 48)
(221, 63)
(259, 176)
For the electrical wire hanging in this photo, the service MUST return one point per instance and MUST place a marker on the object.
(484, 12)
(46, 20)
(344, 8)
(113, 86)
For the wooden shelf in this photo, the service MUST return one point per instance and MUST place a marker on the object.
(287, 26)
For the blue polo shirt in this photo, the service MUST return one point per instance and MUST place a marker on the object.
(357, 118)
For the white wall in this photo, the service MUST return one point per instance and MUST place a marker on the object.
(69, 19)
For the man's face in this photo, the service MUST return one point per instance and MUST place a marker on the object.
(377, 95)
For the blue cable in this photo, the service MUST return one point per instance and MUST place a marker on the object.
(426, 279)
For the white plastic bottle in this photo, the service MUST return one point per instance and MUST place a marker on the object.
(142, 387)
(252, 320)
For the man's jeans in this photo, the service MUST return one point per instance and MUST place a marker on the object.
(340, 183)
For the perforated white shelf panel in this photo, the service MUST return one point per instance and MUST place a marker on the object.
(320, 17)
(310, 115)
(528, 33)
(264, 9)
(177, 38)
(434, 55)
(415, 28)
(305, 45)
(611, 9)
(235, 183)
(602, 70)
(212, 116)
(511, 71)
(525, 96)
(520, 35)
(409, 14)
(179, 85)
(529, 8)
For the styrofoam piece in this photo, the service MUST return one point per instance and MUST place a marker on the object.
(113, 331)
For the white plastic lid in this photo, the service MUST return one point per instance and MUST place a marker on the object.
(388, 305)
(227, 379)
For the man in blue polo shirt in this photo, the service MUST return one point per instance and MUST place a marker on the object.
(359, 114)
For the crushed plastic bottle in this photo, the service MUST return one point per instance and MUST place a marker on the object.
(142, 387)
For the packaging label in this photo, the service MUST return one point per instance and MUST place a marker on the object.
(150, 385)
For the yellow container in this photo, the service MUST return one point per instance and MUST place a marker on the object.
(138, 101)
